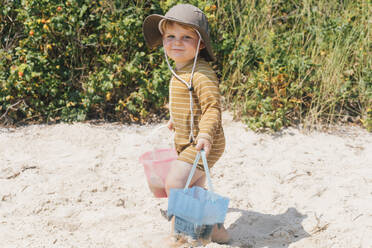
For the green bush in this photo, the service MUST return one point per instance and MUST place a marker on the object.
(280, 62)
(78, 60)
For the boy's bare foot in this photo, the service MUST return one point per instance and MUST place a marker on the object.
(220, 235)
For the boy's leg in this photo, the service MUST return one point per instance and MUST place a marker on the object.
(178, 174)
(200, 182)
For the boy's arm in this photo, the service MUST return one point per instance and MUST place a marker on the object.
(208, 93)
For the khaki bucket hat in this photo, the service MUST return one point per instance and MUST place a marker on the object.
(186, 14)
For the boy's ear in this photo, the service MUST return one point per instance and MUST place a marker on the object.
(202, 46)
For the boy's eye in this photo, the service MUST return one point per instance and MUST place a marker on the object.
(171, 37)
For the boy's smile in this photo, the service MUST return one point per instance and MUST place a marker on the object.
(180, 44)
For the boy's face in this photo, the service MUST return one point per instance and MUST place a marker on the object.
(180, 43)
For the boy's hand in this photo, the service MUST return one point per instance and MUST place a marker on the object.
(203, 144)
(170, 125)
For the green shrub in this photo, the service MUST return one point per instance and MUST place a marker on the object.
(280, 62)
(78, 60)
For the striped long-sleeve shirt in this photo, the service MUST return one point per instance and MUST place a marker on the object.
(206, 111)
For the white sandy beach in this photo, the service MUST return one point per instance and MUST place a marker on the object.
(81, 185)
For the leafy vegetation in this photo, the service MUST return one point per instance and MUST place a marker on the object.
(280, 62)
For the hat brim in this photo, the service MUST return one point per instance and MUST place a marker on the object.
(153, 36)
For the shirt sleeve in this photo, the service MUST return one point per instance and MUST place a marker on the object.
(208, 93)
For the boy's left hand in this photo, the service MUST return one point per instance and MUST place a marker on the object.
(203, 144)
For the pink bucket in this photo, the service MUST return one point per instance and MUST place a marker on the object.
(157, 164)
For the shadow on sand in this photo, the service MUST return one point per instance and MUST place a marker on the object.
(256, 230)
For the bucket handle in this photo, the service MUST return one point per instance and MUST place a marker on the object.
(206, 169)
(171, 137)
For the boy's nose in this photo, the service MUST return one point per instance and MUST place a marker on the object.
(177, 41)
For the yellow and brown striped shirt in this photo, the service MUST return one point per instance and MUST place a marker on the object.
(206, 111)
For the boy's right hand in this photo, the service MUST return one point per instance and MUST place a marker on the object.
(170, 125)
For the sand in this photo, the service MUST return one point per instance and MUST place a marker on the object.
(81, 185)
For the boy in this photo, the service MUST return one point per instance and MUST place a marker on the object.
(194, 97)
